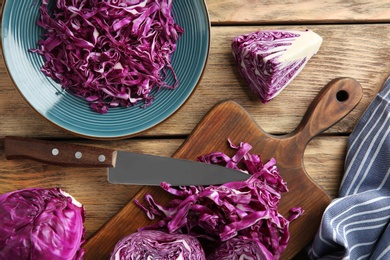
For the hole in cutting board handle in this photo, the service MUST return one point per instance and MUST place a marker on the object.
(342, 96)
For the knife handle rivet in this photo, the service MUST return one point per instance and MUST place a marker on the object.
(55, 152)
(78, 155)
(101, 158)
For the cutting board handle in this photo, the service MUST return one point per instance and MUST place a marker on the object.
(332, 103)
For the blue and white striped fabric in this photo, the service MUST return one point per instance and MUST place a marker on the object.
(356, 225)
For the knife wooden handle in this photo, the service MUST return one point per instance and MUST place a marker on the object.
(58, 153)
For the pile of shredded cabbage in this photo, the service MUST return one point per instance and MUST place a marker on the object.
(216, 214)
(112, 52)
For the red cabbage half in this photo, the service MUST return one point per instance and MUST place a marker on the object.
(158, 245)
(41, 224)
(247, 209)
(239, 248)
(112, 53)
(269, 60)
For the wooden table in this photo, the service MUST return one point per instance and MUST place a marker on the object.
(356, 44)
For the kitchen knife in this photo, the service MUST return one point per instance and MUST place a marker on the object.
(123, 167)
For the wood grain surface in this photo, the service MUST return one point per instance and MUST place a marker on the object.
(356, 44)
(304, 11)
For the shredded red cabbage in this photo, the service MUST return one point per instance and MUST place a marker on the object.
(248, 209)
(113, 52)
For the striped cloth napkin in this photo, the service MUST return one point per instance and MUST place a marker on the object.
(356, 225)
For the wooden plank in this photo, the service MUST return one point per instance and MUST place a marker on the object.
(341, 55)
(324, 162)
(297, 12)
(83, 183)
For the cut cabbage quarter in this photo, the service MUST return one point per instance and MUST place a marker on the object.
(269, 60)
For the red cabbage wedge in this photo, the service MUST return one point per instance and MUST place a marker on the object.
(269, 60)
(41, 224)
(111, 53)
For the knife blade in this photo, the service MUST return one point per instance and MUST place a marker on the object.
(123, 167)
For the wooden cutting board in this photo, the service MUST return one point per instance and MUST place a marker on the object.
(229, 120)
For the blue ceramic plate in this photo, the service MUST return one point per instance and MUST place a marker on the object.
(20, 33)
